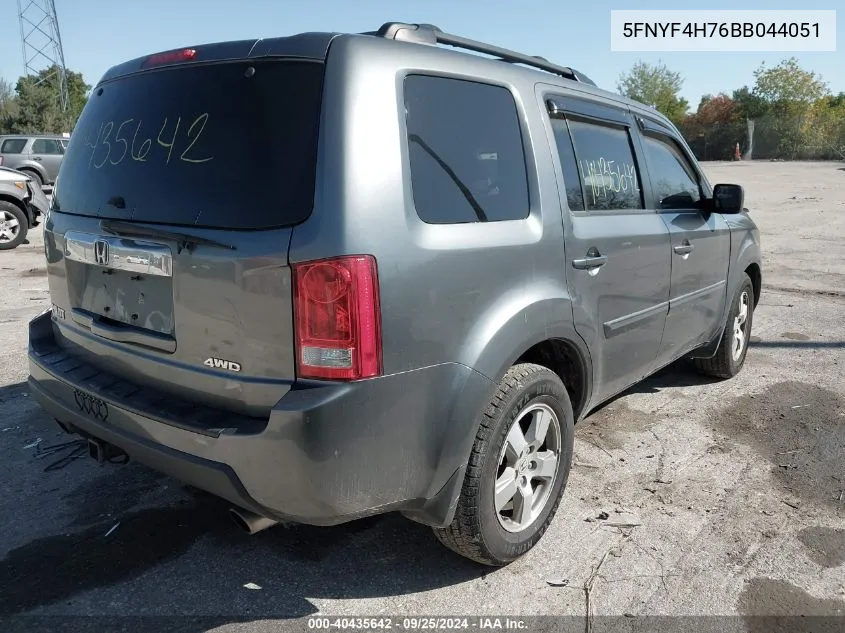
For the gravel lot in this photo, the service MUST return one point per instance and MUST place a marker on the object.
(735, 490)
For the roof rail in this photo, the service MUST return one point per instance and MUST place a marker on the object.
(432, 35)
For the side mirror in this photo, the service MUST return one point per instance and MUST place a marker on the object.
(728, 198)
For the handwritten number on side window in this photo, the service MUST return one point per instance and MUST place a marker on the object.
(606, 176)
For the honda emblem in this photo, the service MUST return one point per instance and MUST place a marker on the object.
(101, 252)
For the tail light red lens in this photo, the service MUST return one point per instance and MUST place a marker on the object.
(337, 318)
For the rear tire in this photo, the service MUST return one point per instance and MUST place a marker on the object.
(523, 448)
(730, 357)
(13, 226)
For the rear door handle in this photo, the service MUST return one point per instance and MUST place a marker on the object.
(588, 263)
(38, 158)
(683, 249)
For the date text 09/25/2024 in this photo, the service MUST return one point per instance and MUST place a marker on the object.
(416, 623)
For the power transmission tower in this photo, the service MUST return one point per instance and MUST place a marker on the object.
(42, 45)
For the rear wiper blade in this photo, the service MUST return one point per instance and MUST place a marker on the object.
(183, 240)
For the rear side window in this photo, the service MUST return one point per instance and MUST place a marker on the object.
(13, 146)
(607, 166)
(225, 145)
(466, 154)
(47, 146)
(674, 179)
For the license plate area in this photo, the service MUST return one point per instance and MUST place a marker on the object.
(124, 280)
(135, 299)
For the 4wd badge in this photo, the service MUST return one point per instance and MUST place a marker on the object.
(219, 363)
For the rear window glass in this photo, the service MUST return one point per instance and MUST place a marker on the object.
(13, 146)
(228, 145)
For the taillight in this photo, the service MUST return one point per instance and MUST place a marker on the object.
(337, 318)
(1, 161)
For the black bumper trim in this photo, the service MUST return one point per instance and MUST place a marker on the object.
(143, 401)
(214, 477)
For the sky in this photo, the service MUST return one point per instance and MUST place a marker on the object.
(97, 34)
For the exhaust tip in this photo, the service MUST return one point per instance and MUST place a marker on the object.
(239, 520)
(250, 522)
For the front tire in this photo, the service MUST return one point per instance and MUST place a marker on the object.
(730, 357)
(517, 471)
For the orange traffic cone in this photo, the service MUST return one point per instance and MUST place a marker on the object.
(737, 155)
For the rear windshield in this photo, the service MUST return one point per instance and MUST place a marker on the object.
(226, 145)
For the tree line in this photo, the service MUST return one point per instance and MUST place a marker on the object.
(787, 113)
(32, 104)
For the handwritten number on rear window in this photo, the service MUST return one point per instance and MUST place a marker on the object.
(106, 132)
(169, 145)
(140, 152)
(204, 119)
(94, 145)
(141, 156)
(118, 139)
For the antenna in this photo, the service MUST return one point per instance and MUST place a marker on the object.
(41, 44)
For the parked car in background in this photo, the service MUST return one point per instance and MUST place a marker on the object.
(23, 205)
(37, 155)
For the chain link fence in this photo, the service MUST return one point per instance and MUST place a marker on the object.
(768, 138)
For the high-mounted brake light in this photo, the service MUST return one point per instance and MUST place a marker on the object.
(337, 318)
(171, 57)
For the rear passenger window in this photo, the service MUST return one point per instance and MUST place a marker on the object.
(13, 146)
(466, 155)
(46, 146)
(607, 166)
(675, 182)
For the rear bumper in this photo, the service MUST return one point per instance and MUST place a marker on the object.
(328, 453)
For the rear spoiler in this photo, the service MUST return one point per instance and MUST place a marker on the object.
(303, 46)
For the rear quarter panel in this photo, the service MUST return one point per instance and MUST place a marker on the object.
(477, 294)
(449, 293)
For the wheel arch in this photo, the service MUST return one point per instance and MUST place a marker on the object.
(564, 358)
(754, 272)
(37, 169)
(532, 333)
(746, 245)
(540, 332)
(5, 197)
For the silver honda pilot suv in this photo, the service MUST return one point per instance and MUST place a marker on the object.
(446, 260)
